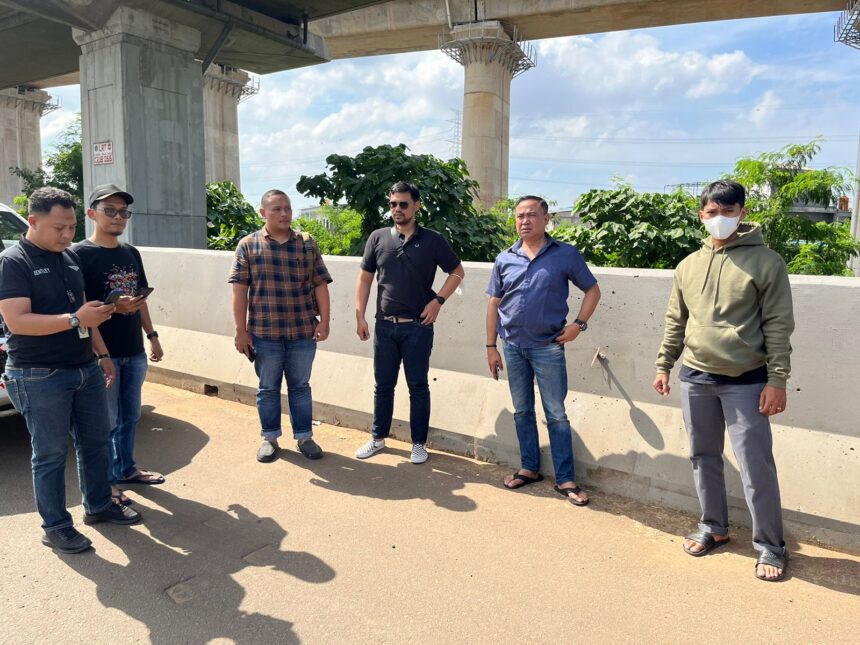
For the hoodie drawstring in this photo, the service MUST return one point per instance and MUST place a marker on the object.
(719, 275)
(708, 272)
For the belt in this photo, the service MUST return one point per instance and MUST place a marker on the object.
(399, 319)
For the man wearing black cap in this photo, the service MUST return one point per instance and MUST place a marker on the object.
(110, 265)
(51, 374)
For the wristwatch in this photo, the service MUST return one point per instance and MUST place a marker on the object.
(74, 321)
(440, 300)
(581, 324)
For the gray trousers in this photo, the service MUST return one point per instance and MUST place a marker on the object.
(708, 411)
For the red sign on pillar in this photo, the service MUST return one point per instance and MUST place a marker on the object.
(102, 153)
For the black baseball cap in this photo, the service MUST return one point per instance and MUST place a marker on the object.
(106, 190)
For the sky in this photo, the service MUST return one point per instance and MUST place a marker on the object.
(654, 107)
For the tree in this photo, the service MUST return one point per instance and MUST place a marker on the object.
(64, 169)
(229, 217)
(778, 181)
(342, 236)
(446, 195)
(623, 228)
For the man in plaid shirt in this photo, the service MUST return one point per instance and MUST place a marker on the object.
(281, 310)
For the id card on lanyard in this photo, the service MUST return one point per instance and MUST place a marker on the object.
(83, 332)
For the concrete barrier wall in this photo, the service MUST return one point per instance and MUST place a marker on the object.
(627, 439)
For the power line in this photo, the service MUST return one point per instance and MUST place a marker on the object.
(656, 164)
(695, 141)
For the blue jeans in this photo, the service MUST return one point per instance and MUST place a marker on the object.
(54, 403)
(547, 365)
(292, 359)
(123, 400)
(410, 343)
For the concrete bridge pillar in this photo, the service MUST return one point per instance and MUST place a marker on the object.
(223, 88)
(491, 58)
(142, 123)
(21, 108)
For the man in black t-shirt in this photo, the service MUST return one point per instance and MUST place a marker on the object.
(404, 258)
(51, 375)
(111, 265)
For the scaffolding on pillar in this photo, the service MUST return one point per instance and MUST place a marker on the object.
(847, 28)
(488, 43)
(251, 88)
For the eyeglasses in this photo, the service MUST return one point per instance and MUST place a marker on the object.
(403, 205)
(112, 212)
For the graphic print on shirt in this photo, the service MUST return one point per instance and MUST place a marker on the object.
(124, 278)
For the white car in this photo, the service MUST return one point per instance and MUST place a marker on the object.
(12, 226)
(6, 408)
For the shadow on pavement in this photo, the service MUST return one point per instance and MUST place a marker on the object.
(436, 480)
(163, 444)
(180, 581)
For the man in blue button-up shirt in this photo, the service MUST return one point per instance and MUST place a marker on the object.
(528, 308)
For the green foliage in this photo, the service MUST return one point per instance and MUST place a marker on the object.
(342, 237)
(446, 190)
(64, 169)
(229, 217)
(778, 181)
(623, 228)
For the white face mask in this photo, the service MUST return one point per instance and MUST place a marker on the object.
(721, 227)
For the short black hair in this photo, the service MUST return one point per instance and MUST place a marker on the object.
(539, 200)
(725, 193)
(406, 187)
(42, 200)
(271, 193)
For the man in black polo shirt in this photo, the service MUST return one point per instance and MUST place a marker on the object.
(51, 374)
(405, 258)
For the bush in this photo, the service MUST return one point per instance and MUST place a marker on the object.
(229, 217)
(623, 228)
(341, 237)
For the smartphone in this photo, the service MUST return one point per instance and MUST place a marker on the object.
(252, 355)
(498, 369)
(113, 296)
(143, 292)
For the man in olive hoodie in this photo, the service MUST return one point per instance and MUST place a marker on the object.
(731, 308)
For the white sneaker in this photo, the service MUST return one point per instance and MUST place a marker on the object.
(419, 453)
(370, 448)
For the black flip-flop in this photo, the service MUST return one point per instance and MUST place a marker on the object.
(122, 500)
(565, 492)
(774, 560)
(525, 479)
(140, 478)
(706, 540)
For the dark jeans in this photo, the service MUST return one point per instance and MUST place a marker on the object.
(124, 413)
(547, 366)
(411, 344)
(55, 403)
(293, 360)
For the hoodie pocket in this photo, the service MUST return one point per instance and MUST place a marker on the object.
(718, 348)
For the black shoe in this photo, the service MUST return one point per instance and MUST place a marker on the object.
(310, 449)
(268, 451)
(67, 540)
(115, 514)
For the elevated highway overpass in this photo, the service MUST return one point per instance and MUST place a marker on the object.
(141, 66)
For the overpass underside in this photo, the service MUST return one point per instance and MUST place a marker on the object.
(414, 25)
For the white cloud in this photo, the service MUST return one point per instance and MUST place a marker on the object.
(634, 64)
